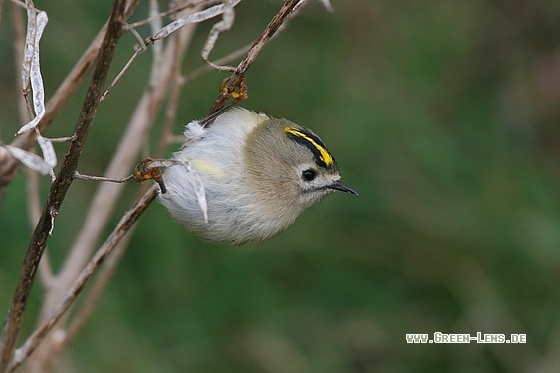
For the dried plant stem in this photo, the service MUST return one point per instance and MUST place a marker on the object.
(171, 12)
(102, 280)
(59, 188)
(122, 162)
(111, 263)
(58, 101)
(107, 194)
(76, 272)
(121, 73)
(230, 57)
(54, 106)
(104, 195)
(237, 77)
(78, 175)
(86, 274)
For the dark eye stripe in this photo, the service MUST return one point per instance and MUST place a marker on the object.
(322, 155)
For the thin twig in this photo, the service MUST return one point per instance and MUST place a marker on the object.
(154, 22)
(122, 161)
(228, 58)
(111, 264)
(170, 12)
(61, 139)
(59, 188)
(237, 77)
(73, 81)
(78, 175)
(97, 289)
(8, 170)
(136, 35)
(228, 17)
(113, 260)
(87, 273)
(127, 152)
(107, 194)
(122, 229)
(121, 73)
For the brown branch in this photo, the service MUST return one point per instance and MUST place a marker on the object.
(163, 75)
(118, 233)
(58, 101)
(178, 45)
(237, 77)
(97, 288)
(62, 183)
(111, 263)
(59, 188)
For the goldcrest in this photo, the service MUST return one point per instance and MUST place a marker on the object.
(259, 173)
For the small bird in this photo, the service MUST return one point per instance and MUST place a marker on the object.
(259, 173)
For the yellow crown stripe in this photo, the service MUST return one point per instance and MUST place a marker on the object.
(325, 156)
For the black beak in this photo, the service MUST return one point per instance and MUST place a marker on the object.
(339, 185)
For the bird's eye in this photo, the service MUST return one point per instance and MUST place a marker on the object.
(309, 175)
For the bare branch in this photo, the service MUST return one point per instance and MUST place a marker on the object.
(107, 194)
(228, 17)
(230, 57)
(70, 276)
(237, 77)
(121, 73)
(155, 25)
(123, 160)
(78, 175)
(87, 273)
(59, 188)
(54, 106)
(112, 261)
(171, 12)
(18, 3)
(103, 278)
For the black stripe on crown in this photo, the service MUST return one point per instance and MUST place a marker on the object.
(313, 143)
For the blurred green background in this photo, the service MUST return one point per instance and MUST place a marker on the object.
(443, 115)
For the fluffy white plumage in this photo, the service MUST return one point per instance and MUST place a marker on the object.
(252, 176)
(217, 155)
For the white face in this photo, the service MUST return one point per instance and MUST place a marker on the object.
(314, 183)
